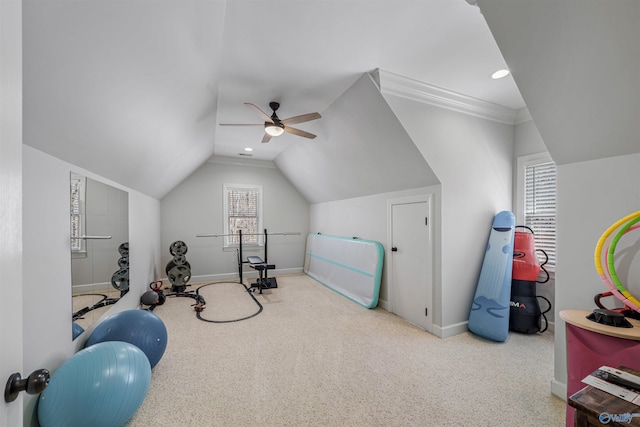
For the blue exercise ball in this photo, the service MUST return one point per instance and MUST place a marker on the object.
(141, 328)
(76, 330)
(103, 385)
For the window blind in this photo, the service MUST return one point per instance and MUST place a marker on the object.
(243, 214)
(76, 214)
(540, 206)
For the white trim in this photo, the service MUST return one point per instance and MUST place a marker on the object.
(559, 389)
(523, 115)
(405, 87)
(451, 330)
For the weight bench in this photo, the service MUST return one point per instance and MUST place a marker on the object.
(263, 282)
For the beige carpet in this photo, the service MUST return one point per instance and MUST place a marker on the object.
(314, 358)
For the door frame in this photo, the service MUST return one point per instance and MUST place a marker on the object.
(419, 198)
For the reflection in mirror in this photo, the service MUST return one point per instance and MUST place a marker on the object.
(99, 249)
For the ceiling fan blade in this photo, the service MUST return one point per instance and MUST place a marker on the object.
(300, 119)
(299, 132)
(266, 138)
(259, 112)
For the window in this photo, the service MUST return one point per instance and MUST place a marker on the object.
(537, 201)
(242, 211)
(77, 212)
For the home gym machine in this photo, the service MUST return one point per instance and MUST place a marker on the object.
(262, 266)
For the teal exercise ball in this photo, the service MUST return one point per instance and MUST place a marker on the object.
(141, 328)
(100, 386)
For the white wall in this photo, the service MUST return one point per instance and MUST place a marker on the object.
(472, 158)
(592, 196)
(195, 206)
(47, 262)
(11, 337)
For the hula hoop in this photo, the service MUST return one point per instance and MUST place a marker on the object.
(610, 263)
(614, 290)
(635, 305)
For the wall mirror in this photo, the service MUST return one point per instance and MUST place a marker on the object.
(99, 246)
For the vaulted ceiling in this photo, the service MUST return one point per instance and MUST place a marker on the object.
(135, 90)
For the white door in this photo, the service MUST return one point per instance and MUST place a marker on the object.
(410, 254)
(11, 206)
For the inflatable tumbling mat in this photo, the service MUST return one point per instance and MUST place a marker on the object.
(489, 317)
(352, 267)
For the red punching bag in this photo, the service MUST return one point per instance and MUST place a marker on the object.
(525, 314)
(525, 262)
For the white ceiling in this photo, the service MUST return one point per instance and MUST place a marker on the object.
(134, 90)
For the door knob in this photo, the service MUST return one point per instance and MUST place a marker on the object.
(33, 384)
(394, 249)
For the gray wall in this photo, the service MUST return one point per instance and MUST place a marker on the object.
(195, 207)
(47, 260)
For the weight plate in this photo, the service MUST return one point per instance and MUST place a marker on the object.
(179, 275)
(124, 249)
(123, 262)
(120, 279)
(169, 266)
(178, 247)
(179, 259)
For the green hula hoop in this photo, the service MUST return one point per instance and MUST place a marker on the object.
(610, 263)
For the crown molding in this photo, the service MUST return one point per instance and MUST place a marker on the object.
(405, 87)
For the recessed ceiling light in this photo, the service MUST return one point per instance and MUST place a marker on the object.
(248, 149)
(500, 74)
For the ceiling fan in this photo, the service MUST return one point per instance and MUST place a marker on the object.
(273, 126)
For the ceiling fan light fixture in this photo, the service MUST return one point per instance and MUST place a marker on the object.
(273, 129)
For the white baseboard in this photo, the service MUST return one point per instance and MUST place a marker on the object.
(451, 330)
(559, 389)
(93, 287)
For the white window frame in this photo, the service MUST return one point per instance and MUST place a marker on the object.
(522, 163)
(256, 240)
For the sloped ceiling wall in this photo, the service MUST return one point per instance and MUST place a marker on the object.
(577, 65)
(361, 149)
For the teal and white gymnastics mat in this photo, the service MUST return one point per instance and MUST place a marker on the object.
(489, 317)
(352, 267)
